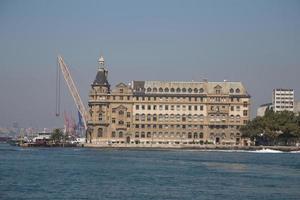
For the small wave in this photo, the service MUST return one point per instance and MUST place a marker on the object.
(295, 152)
(267, 151)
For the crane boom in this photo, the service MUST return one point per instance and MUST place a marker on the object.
(73, 90)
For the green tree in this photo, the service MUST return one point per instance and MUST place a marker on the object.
(57, 136)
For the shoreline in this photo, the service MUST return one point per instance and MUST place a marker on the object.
(204, 147)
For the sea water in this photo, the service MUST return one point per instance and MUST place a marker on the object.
(82, 173)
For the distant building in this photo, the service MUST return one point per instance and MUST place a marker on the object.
(297, 107)
(262, 109)
(283, 99)
(166, 112)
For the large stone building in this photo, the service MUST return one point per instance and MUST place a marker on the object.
(164, 112)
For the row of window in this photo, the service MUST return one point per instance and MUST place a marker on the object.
(184, 90)
(183, 126)
(190, 99)
(169, 107)
(178, 117)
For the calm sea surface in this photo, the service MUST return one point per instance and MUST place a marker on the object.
(80, 173)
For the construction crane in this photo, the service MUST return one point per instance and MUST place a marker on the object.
(72, 88)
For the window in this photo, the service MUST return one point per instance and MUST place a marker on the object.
(128, 114)
(100, 132)
(195, 135)
(148, 117)
(113, 134)
(178, 90)
(137, 117)
(166, 107)
(218, 91)
(113, 120)
(143, 107)
(137, 134)
(166, 89)
(245, 113)
(148, 134)
(172, 90)
(154, 118)
(201, 135)
(245, 104)
(237, 90)
(121, 122)
(161, 90)
(154, 89)
(149, 107)
(121, 97)
(189, 135)
(231, 90)
(120, 134)
(183, 90)
(195, 107)
(154, 107)
(201, 90)
(100, 117)
(201, 107)
(143, 117)
(196, 90)
(172, 107)
(190, 107)
(121, 112)
(148, 89)
(190, 90)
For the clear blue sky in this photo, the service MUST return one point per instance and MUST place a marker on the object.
(255, 41)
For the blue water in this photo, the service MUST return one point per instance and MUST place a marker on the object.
(80, 173)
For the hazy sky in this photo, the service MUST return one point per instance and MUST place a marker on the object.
(255, 41)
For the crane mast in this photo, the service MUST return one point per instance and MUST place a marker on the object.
(73, 90)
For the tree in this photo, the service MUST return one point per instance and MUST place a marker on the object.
(272, 126)
(57, 136)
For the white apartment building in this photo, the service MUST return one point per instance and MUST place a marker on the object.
(283, 99)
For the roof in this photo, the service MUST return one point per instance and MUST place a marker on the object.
(101, 77)
(233, 88)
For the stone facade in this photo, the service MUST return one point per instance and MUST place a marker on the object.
(164, 112)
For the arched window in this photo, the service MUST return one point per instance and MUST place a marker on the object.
(154, 117)
(143, 135)
(189, 117)
(121, 122)
(201, 90)
(100, 132)
(154, 89)
(166, 117)
(148, 89)
(161, 90)
(166, 89)
(120, 134)
(178, 90)
(195, 117)
(137, 117)
(183, 90)
(172, 116)
(160, 117)
(195, 135)
(121, 112)
(113, 134)
(237, 90)
(200, 135)
(231, 90)
(148, 134)
(137, 135)
(189, 135)
(190, 90)
(148, 117)
(238, 116)
(172, 90)
(178, 117)
(231, 135)
(196, 90)
(143, 117)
